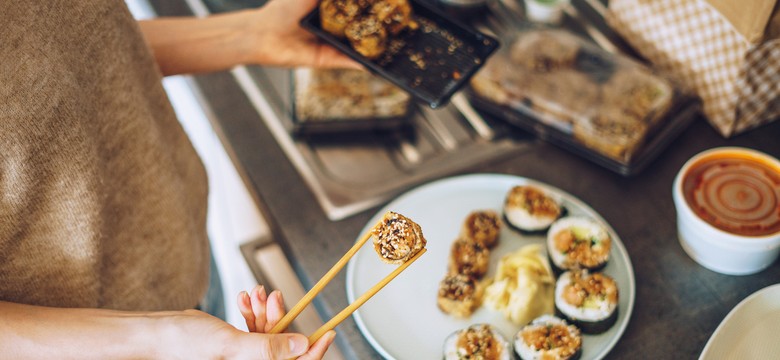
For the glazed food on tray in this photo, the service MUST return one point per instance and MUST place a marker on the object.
(366, 24)
(397, 238)
(482, 226)
(459, 295)
(588, 300)
(480, 341)
(346, 95)
(603, 102)
(578, 243)
(523, 285)
(529, 208)
(548, 337)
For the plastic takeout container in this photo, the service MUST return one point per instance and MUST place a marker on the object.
(431, 63)
(608, 108)
(715, 248)
(326, 101)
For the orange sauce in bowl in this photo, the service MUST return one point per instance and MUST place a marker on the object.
(735, 192)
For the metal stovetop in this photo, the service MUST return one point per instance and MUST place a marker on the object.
(351, 173)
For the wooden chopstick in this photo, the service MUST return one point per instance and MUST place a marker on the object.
(332, 323)
(307, 299)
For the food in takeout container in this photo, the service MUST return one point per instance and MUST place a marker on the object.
(479, 341)
(556, 83)
(342, 100)
(410, 43)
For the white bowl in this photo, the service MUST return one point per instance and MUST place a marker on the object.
(716, 249)
(546, 11)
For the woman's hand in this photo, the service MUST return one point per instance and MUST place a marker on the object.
(269, 36)
(261, 313)
(280, 41)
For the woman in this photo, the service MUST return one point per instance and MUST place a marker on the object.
(103, 247)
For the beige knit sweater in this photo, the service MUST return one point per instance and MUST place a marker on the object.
(102, 197)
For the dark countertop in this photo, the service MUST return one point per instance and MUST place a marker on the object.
(678, 302)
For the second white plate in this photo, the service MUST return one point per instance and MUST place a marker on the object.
(750, 330)
(402, 321)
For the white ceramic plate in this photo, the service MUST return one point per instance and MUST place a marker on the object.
(402, 321)
(750, 330)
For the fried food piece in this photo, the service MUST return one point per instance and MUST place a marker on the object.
(367, 36)
(459, 295)
(395, 15)
(397, 238)
(335, 15)
(469, 257)
(367, 24)
(482, 226)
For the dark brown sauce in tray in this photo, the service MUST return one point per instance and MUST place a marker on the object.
(736, 193)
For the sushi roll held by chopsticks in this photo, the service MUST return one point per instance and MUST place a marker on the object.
(397, 240)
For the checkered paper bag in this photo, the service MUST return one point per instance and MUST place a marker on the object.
(727, 52)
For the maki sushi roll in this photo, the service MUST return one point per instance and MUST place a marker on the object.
(469, 257)
(589, 301)
(397, 238)
(550, 338)
(530, 208)
(480, 341)
(578, 243)
(482, 226)
(459, 295)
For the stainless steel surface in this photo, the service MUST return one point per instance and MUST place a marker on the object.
(351, 173)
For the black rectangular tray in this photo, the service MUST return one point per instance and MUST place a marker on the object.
(450, 52)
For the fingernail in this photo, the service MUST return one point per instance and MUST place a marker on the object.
(279, 297)
(330, 336)
(299, 344)
(243, 299)
(261, 295)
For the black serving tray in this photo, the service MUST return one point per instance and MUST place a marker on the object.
(450, 51)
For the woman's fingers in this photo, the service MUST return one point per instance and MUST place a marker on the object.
(318, 349)
(274, 310)
(245, 307)
(259, 301)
